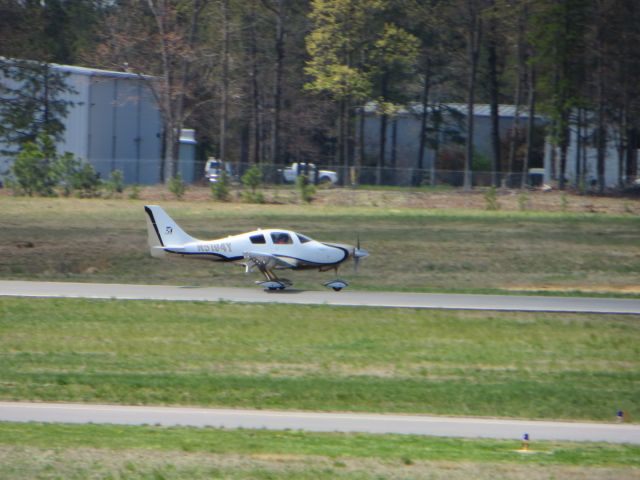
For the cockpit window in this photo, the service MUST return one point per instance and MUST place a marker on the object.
(303, 239)
(281, 238)
(257, 238)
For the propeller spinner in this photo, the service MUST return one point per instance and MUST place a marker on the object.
(358, 253)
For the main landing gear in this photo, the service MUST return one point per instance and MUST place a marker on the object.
(275, 284)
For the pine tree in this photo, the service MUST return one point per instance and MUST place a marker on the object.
(558, 38)
(34, 102)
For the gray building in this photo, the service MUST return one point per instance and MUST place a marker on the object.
(115, 124)
(187, 157)
(582, 158)
(403, 136)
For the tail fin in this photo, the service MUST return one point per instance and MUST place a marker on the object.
(163, 231)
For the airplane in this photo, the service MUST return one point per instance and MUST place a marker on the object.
(265, 250)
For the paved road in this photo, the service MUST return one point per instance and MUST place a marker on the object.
(345, 298)
(320, 422)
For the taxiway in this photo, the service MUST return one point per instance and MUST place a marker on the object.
(343, 298)
(320, 422)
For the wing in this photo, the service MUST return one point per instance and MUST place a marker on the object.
(264, 261)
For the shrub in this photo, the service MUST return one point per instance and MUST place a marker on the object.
(220, 189)
(38, 169)
(134, 194)
(252, 179)
(523, 201)
(491, 199)
(86, 180)
(67, 167)
(177, 186)
(253, 197)
(307, 189)
(115, 184)
(34, 168)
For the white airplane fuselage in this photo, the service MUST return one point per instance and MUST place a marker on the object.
(311, 254)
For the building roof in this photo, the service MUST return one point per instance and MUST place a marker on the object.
(479, 110)
(81, 70)
(96, 72)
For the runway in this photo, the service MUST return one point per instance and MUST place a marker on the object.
(321, 422)
(343, 298)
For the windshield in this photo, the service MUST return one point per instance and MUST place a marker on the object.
(281, 238)
(302, 238)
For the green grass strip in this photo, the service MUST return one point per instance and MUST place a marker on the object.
(522, 365)
(333, 445)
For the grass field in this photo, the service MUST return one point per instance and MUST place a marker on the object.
(526, 365)
(91, 451)
(416, 249)
(322, 358)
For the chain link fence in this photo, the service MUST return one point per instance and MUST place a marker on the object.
(404, 177)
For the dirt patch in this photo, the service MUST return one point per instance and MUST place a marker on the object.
(29, 462)
(506, 199)
(628, 289)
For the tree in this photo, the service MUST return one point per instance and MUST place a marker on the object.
(354, 52)
(466, 19)
(392, 60)
(428, 21)
(158, 39)
(34, 102)
(516, 24)
(494, 67)
(277, 7)
(338, 49)
(60, 31)
(224, 100)
(472, 13)
(613, 38)
(253, 68)
(558, 39)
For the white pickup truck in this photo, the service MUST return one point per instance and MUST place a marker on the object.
(290, 173)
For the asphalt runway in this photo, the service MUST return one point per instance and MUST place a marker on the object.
(321, 422)
(325, 297)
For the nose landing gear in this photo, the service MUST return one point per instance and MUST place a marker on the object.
(336, 285)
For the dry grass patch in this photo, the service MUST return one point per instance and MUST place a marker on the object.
(441, 249)
(93, 451)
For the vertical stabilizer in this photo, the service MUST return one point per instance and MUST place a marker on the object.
(163, 231)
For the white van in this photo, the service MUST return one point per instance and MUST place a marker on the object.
(213, 169)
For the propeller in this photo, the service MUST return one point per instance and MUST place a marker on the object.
(358, 253)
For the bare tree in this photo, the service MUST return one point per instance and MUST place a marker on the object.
(474, 27)
(224, 100)
(494, 91)
(158, 40)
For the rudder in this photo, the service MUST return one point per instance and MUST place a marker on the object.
(163, 231)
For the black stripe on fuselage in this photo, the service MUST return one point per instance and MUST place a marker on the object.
(205, 254)
(153, 222)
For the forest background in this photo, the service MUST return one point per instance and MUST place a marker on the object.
(270, 81)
